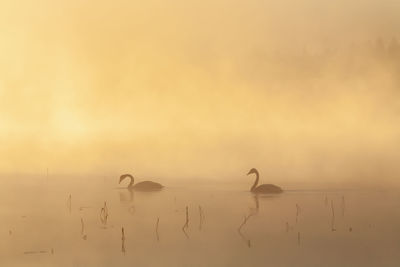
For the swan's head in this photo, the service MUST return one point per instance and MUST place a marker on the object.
(123, 176)
(253, 170)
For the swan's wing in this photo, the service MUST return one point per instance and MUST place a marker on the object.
(268, 188)
(148, 185)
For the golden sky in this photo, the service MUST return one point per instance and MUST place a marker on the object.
(199, 88)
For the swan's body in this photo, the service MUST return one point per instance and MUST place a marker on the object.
(142, 186)
(264, 188)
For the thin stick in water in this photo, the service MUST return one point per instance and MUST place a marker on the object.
(105, 208)
(297, 212)
(186, 225)
(84, 237)
(157, 235)
(202, 217)
(35, 252)
(298, 238)
(333, 217)
(104, 214)
(123, 241)
(246, 240)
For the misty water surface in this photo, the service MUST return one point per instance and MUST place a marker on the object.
(41, 228)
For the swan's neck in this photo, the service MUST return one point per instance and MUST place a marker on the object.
(132, 181)
(255, 182)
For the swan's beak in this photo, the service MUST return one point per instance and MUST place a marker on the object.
(120, 179)
(250, 172)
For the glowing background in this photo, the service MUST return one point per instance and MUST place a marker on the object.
(200, 89)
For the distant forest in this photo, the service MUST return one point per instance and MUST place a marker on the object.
(349, 62)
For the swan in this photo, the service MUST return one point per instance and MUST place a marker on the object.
(142, 186)
(264, 188)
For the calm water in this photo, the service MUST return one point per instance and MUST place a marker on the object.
(41, 227)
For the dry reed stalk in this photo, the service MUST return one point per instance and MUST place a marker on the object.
(298, 238)
(186, 225)
(36, 252)
(333, 217)
(84, 237)
(123, 240)
(297, 212)
(104, 214)
(157, 235)
(247, 241)
(202, 217)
